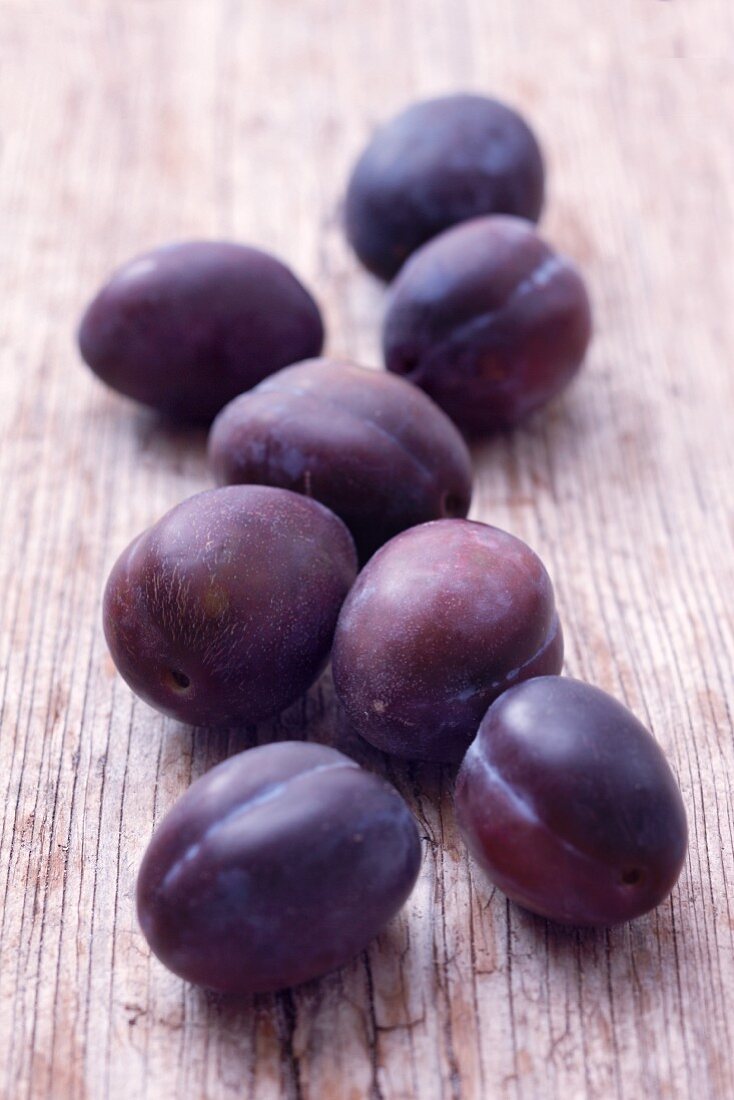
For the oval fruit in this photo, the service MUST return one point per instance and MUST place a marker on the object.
(438, 163)
(441, 620)
(370, 446)
(275, 867)
(224, 610)
(569, 805)
(489, 321)
(188, 326)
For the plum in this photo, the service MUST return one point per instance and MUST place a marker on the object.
(224, 610)
(275, 867)
(370, 446)
(441, 620)
(188, 326)
(489, 321)
(569, 805)
(438, 163)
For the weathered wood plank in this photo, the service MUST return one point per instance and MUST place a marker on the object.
(125, 124)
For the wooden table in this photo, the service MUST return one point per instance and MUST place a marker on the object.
(130, 122)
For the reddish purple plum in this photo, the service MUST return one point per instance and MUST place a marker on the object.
(370, 446)
(441, 621)
(489, 321)
(438, 163)
(569, 805)
(188, 326)
(224, 610)
(274, 868)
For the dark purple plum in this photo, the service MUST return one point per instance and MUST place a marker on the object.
(370, 446)
(187, 327)
(443, 619)
(489, 321)
(569, 805)
(274, 868)
(224, 610)
(438, 163)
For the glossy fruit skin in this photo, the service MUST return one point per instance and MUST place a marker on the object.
(370, 446)
(188, 326)
(570, 806)
(489, 321)
(443, 619)
(276, 867)
(438, 163)
(224, 610)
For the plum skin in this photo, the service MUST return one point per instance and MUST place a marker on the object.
(186, 327)
(569, 805)
(224, 610)
(441, 620)
(368, 445)
(274, 868)
(489, 321)
(440, 162)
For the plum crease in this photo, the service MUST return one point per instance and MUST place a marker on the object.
(515, 674)
(269, 792)
(524, 805)
(367, 419)
(540, 277)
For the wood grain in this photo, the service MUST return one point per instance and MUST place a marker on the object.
(124, 123)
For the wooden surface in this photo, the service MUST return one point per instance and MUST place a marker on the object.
(125, 123)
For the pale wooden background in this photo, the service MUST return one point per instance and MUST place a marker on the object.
(124, 123)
